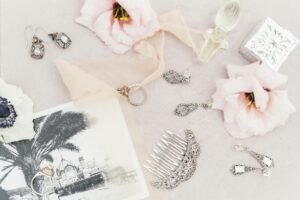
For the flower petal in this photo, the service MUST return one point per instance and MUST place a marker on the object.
(250, 122)
(279, 109)
(130, 4)
(11, 93)
(232, 107)
(235, 71)
(235, 131)
(267, 77)
(23, 126)
(91, 10)
(261, 96)
(219, 96)
(103, 27)
(119, 35)
(144, 20)
(238, 85)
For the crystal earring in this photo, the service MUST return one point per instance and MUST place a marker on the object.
(184, 109)
(265, 162)
(61, 39)
(37, 50)
(174, 77)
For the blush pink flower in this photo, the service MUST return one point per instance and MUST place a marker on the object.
(119, 23)
(253, 100)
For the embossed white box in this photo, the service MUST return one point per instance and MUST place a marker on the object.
(270, 43)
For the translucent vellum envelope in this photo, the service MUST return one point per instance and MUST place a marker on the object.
(86, 89)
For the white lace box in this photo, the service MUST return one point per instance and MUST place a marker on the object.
(270, 43)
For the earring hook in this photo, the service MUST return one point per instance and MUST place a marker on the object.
(29, 27)
(37, 28)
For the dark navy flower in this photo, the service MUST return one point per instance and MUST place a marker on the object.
(8, 114)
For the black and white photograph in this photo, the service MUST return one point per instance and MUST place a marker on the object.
(76, 154)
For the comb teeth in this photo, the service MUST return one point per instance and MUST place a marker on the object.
(169, 157)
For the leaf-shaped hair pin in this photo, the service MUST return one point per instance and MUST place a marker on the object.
(174, 77)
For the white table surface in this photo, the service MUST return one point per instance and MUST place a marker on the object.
(212, 180)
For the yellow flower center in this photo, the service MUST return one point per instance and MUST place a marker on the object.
(250, 98)
(120, 13)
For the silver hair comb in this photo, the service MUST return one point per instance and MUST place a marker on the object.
(174, 160)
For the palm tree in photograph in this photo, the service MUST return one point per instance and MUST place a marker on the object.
(53, 132)
(3, 194)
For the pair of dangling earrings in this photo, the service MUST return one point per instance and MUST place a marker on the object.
(266, 163)
(37, 49)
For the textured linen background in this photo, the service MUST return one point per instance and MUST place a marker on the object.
(212, 180)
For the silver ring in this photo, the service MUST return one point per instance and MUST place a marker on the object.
(39, 174)
(45, 172)
(134, 88)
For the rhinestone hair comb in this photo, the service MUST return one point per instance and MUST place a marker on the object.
(174, 160)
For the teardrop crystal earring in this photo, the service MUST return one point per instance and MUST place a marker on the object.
(184, 109)
(174, 77)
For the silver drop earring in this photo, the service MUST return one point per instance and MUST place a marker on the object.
(266, 163)
(174, 160)
(61, 39)
(174, 77)
(185, 109)
(37, 49)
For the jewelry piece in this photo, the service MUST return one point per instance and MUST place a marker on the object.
(174, 160)
(185, 109)
(61, 39)
(46, 173)
(127, 92)
(37, 48)
(174, 77)
(8, 113)
(265, 162)
(240, 169)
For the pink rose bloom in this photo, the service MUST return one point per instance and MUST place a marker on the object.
(119, 23)
(253, 100)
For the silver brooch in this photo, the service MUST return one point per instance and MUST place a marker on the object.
(174, 77)
(185, 109)
(265, 162)
(174, 160)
